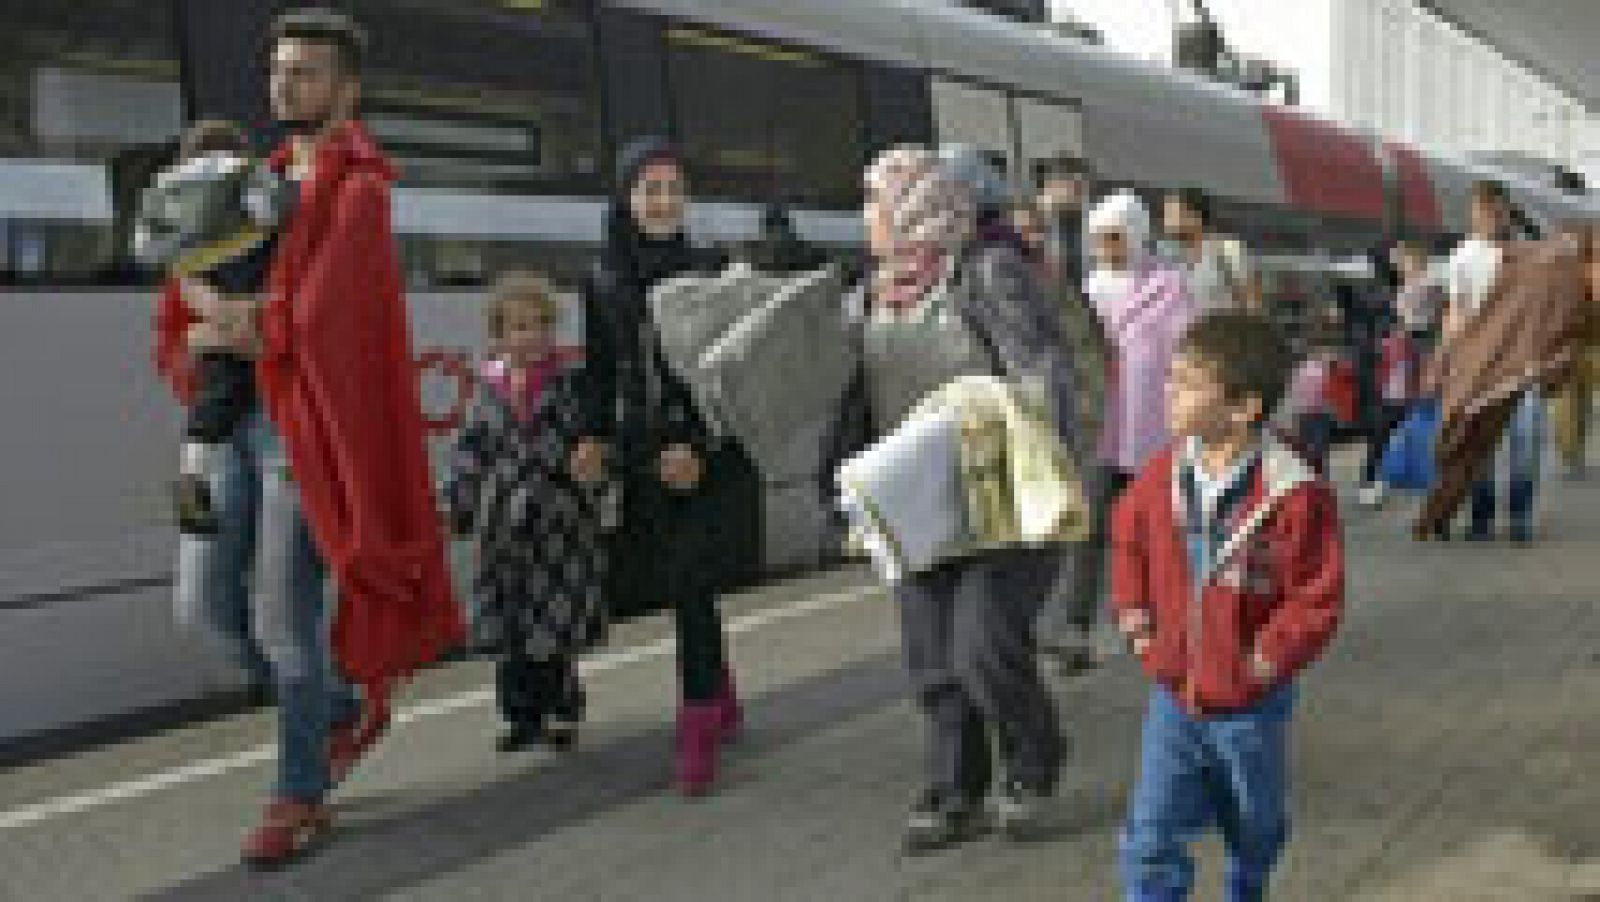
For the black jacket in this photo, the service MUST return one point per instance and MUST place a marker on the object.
(631, 397)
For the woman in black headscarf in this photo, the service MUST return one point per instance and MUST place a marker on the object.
(674, 473)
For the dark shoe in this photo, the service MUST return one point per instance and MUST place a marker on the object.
(1016, 810)
(939, 822)
(1480, 534)
(1423, 532)
(560, 733)
(518, 737)
(1522, 532)
(289, 829)
(197, 516)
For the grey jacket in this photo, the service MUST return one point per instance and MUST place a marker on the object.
(1003, 306)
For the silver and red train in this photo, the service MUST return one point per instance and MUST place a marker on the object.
(502, 115)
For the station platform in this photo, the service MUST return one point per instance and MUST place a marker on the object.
(1445, 750)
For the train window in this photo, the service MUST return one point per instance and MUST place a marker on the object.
(899, 107)
(89, 104)
(758, 121)
(1047, 129)
(487, 95)
(966, 114)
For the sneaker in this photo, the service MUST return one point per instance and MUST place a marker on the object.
(289, 829)
(938, 822)
(1372, 495)
(1016, 810)
(1577, 473)
(1521, 532)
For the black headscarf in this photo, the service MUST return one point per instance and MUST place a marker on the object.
(631, 256)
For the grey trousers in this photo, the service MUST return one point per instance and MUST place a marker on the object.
(967, 631)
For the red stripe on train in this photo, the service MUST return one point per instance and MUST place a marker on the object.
(1324, 168)
(1416, 189)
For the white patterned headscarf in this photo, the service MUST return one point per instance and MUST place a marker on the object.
(931, 218)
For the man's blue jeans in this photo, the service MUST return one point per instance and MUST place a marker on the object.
(1230, 771)
(1519, 458)
(277, 633)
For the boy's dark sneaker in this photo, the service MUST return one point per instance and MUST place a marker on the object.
(192, 499)
(938, 822)
(1017, 810)
(1521, 533)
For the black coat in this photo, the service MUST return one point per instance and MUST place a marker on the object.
(699, 541)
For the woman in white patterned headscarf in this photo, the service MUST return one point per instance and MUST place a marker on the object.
(946, 303)
(918, 218)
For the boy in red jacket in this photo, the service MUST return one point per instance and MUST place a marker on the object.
(1227, 577)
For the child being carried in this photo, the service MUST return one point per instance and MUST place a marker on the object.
(211, 222)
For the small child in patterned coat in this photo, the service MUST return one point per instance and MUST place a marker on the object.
(534, 514)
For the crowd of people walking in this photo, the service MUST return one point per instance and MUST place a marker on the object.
(595, 485)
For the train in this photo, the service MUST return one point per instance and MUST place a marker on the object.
(503, 116)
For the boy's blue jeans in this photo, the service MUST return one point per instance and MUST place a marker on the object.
(1228, 770)
(277, 633)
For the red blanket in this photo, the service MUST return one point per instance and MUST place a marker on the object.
(337, 380)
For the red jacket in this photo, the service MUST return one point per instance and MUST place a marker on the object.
(1276, 589)
(337, 380)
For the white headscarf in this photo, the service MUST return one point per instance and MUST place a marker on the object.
(1124, 212)
(1121, 212)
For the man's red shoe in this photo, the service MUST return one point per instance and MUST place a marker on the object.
(288, 830)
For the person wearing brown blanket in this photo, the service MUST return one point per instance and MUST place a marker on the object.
(1519, 337)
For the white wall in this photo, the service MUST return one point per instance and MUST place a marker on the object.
(1404, 72)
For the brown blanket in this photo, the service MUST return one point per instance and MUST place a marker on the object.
(1524, 335)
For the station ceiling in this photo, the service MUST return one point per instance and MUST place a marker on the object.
(1556, 38)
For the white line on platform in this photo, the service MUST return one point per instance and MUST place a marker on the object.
(76, 803)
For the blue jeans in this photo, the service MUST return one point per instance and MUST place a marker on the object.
(1316, 435)
(1229, 770)
(1520, 455)
(277, 633)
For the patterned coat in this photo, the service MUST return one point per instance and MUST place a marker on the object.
(540, 562)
